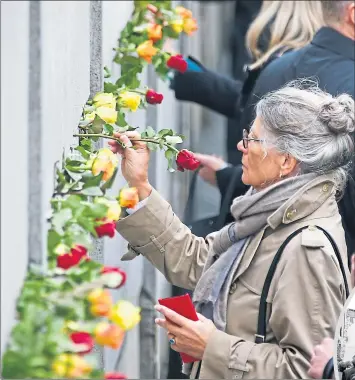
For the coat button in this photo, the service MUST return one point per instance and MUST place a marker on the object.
(233, 288)
(290, 214)
(325, 188)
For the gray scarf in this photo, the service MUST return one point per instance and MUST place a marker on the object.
(251, 212)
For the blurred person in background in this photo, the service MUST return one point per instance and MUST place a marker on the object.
(295, 176)
(329, 59)
(280, 26)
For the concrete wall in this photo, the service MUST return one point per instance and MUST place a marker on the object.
(53, 54)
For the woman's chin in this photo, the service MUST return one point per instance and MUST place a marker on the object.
(245, 178)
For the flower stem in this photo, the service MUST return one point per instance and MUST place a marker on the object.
(169, 146)
(100, 135)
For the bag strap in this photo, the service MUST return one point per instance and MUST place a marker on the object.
(261, 327)
(328, 370)
(225, 206)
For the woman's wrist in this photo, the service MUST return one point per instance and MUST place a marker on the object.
(144, 189)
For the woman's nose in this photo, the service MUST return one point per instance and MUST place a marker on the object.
(241, 148)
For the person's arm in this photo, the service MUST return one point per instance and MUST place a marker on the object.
(157, 233)
(209, 89)
(305, 308)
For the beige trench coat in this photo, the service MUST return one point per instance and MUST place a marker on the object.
(306, 294)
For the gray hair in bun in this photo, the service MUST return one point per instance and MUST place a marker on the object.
(311, 125)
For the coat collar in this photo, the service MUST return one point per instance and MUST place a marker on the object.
(331, 40)
(304, 202)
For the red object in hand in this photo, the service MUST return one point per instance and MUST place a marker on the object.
(153, 97)
(106, 229)
(182, 305)
(83, 338)
(116, 277)
(114, 375)
(68, 260)
(187, 160)
(177, 62)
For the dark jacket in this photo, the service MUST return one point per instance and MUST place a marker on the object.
(329, 59)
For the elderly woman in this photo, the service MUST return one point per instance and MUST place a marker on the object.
(294, 158)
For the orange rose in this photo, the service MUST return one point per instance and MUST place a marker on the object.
(147, 51)
(128, 198)
(110, 335)
(183, 12)
(190, 26)
(101, 302)
(155, 32)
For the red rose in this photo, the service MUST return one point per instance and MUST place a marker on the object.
(187, 160)
(177, 62)
(68, 260)
(115, 277)
(83, 338)
(114, 375)
(153, 97)
(106, 229)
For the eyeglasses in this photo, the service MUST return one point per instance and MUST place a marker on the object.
(246, 139)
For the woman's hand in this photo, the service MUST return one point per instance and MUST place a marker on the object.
(210, 164)
(135, 161)
(190, 337)
(320, 357)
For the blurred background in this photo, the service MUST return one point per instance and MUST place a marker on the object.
(53, 54)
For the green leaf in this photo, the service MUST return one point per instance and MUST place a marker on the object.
(173, 140)
(53, 239)
(108, 129)
(152, 147)
(121, 121)
(83, 152)
(165, 132)
(92, 191)
(108, 184)
(110, 87)
(94, 181)
(60, 219)
(97, 125)
(97, 210)
(107, 72)
(86, 144)
(150, 132)
(169, 154)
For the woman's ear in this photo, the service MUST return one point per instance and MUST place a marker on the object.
(288, 165)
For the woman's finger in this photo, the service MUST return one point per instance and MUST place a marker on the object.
(172, 316)
(115, 147)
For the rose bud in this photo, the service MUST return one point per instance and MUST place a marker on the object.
(177, 62)
(190, 26)
(147, 51)
(186, 160)
(106, 229)
(153, 97)
(114, 376)
(110, 335)
(152, 8)
(125, 315)
(68, 260)
(83, 338)
(114, 277)
(128, 197)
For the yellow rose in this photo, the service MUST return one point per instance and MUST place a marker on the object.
(177, 26)
(146, 51)
(105, 161)
(70, 366)
(101, 302)
(155, 32)
(125, 315)
(128, 197)
(129, 100)
(90, 116)
(109, 115)
(114, 209)
(190, 26)
(104, 100)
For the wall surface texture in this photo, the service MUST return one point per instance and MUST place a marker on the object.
(53, 54)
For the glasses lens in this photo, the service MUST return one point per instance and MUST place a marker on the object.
(245, 139)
